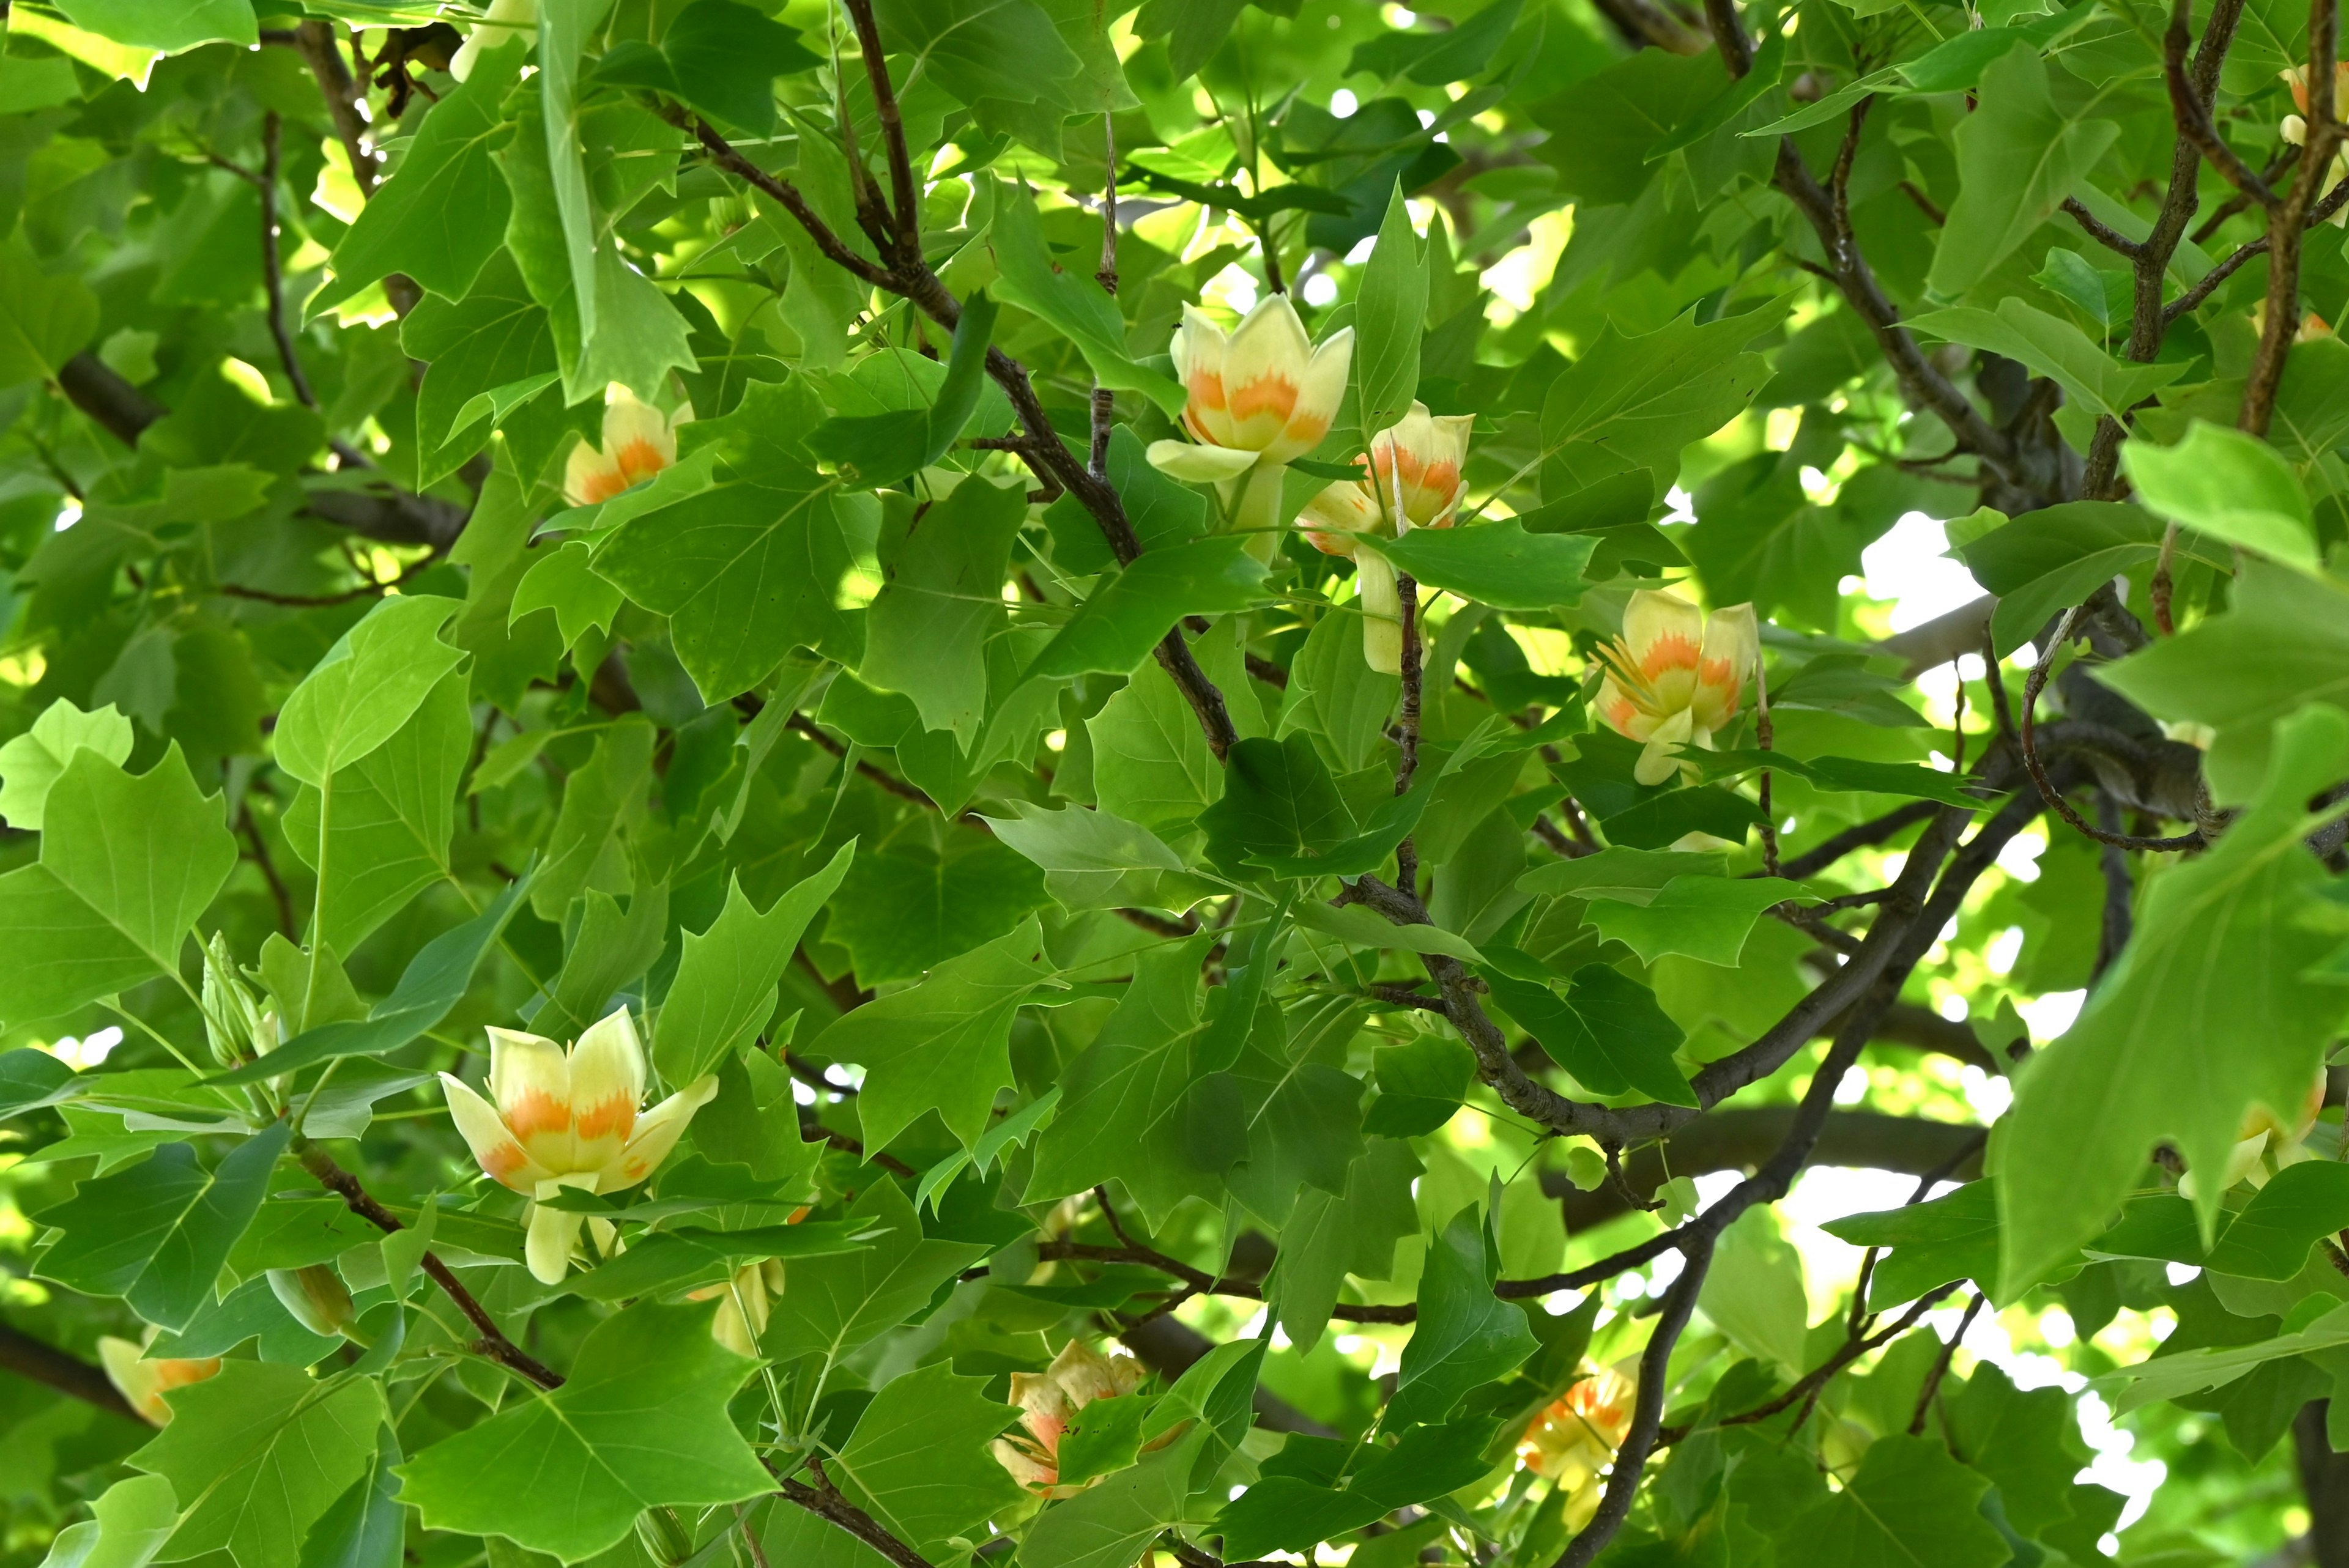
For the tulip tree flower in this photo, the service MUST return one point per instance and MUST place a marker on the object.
(1413, 480)
(505, 20)
(569, 1121)
(144, 1381)
(744, 1301)
(1673, 677)
(1049, 1399)
(639, 441)
(2295, 132)
(1258, 398)
(1574, 1438)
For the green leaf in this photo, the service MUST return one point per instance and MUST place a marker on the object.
(167, 26)
(157, 1234)
(2018, 156)
(434, 982)
(2301, 1205)
(2209, 1010)
(598, 802)
(2027, 1443)
(1151, 762)
(2283, 644)
(1128, 614)
(745, 570)
(1124, 1115)
(62, 953)
(1466, 1336)
(941, 601)
(31, 763)
(1951, 1237)
(497, 337)
(1911, 1504)
(2053, 348)
(1706, 917)
(148, 853)
(260, 1451)
(1753, 1291)
(368, 685)
(1278, 801)
(722, 59)
(562, 581)
(725, 985)
(1362, 928)
(981, 50)
(1607, 1031)
(910, 907)
(1495, 563)
(2231, 486)
(1422, 1084)
(641, 1422)
(366, 1527)
(130, 1523)
(837, 1304)
(1112, 1522)
(443, 211)
(1076, 308)
(1390, 311)
(944, 1043)
(1633, 402)
(918, 1459)
(44, 320)
(1293, 1513)
(2213, 1367)
(385, 834)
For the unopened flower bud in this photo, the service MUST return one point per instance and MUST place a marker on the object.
(316, 1297)
(233, 1016)
(663, 1536)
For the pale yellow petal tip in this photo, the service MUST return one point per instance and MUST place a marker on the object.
(1198, 464)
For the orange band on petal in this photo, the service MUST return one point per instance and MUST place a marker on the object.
(1274, 395)
(504, 1161)
(535, 1111)
(1670, 651)
(615, 1117)
(1206, 387)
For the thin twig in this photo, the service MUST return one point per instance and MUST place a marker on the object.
(492, 1343)
(2032, 687)
(1941, 1366)
(272, 271)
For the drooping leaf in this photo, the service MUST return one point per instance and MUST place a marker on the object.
(640, 1421)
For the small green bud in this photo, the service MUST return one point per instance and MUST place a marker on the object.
(315, 1296)
(663, 1536)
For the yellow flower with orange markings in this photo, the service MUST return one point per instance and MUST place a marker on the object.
(639, 441)
(557, 1120)
(1257, 399)
(1573, 1438)
(143, 1380)
(2295, 132)
(1049, 1401)
(1413, 479)
(1674, 678)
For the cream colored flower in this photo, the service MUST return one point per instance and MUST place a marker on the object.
(1266, 388)
(1412, 480)
(144, 1382)
(504, 20)
(639, 441)
(1258, 398)
(744, 1301)
(2295, 132)
(569, 1119)
(1673, 678)
(1049, 1399)
(1574, 1439)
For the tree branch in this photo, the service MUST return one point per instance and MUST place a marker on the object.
(41, 1361)
(2288, 219)
(492, 1343)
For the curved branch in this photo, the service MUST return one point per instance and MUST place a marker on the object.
(40, 1362)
